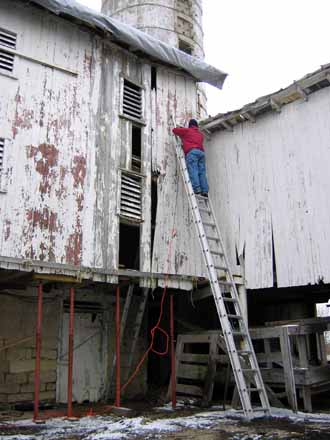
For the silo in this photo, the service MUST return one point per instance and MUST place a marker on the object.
(177, 22)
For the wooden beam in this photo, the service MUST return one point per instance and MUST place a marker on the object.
(56, 278)
(249, 116)
(290, 385)
(301, 92)
(275, 105)
(226, 125)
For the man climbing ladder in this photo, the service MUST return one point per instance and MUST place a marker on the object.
(235, 332)
(192, 144)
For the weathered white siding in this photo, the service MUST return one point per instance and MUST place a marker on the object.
(66, 142)
(272, 177)
(47, 117)
(176, 248)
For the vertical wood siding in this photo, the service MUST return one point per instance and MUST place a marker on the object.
(271, 177)
(176, 96)
(66, 141)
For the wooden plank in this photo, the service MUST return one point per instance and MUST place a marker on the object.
(187, 371)
(316, 375)
(307, 398)
(191, 390)
(194, 358)
(178, 352)
(264, 332)
(200, 338)
(290, 385)
(302, 351)
(273, 398)
(268, 353)
(269, 358)
(321, 348)
(276, 376)
(211, 371)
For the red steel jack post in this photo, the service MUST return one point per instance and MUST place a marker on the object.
(38, 357)
(173, 372)
(117, 402)
(70, 355)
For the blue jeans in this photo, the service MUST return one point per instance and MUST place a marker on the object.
(195, 161)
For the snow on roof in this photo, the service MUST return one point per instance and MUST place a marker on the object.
(135, 39)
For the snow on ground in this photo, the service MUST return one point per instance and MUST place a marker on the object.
(160, 423)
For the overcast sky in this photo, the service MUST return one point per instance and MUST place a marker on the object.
(262, 44)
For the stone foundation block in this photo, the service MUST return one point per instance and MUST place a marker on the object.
(45, 376)
(47, 395)
(3, 398)
(18, 354)
(16, 378)
(29, 388)
(23, 397)
(9, 388)
(50, 386)
(26, 366)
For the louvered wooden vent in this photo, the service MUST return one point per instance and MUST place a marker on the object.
(7, 39)
(132, 100)
(131, 196)
(6, 61)
(2, 152)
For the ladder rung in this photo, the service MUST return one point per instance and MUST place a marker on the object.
(226, 283)
(212, 238)
(238, 333)
(221, 268)
(249, 370)
(255, 390)
(233, 300)
(235, 316)
(212, 225)
(205, 210)
(244, 352)
(217, 253)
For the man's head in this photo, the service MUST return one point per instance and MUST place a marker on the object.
(193, 123)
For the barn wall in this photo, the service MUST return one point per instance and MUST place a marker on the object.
(270, 178)
(18, 311)
(176, 249)
(48, 119)
(66, 141)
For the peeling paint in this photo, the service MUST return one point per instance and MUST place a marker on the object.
(24, 118)
(73, 249)
(44, 220)
(79, 170)
(7, 229)
(46, 158)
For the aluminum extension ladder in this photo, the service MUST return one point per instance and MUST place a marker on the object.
(241, 353)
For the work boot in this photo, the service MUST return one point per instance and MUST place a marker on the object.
(204, 194)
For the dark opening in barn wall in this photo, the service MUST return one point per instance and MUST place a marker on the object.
(154, 202)
(129, 246)
(136, 148)
(185, 47)
(153, 78)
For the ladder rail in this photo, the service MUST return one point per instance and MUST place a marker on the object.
(242, 323)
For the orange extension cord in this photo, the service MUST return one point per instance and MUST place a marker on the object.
(157, 326)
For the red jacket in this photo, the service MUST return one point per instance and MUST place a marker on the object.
(191, 138)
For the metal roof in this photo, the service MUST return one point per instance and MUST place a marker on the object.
(300, 89)
(135, 39)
